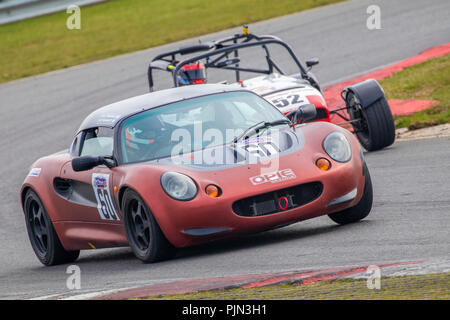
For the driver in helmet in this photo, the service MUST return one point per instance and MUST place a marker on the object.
(192, 73)
(143, 138)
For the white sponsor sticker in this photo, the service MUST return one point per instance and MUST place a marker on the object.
(105, 206)
(35, 172)
(273, 177)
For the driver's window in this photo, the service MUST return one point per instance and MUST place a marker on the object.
(98, 142)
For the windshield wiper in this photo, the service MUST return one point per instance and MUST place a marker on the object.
(260, 125)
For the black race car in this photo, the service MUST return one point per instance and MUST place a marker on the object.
(366, 112)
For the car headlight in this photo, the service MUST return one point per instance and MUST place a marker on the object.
(337, 147)
(178, 186)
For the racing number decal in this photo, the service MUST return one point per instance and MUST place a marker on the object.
(263, 149)
(290, 99)
(105, 206)
(260, 147)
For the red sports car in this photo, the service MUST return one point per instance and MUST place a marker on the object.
(188, 165)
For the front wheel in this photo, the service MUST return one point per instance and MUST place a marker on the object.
(362, 209)
(374, 126)
(42, 234)
(143, 233)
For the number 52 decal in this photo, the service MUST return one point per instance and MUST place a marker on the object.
(288, 100)
(105, 206)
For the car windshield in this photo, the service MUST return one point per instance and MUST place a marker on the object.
(193, 124)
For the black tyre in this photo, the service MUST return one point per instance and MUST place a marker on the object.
(42, 234)
(143, 233)
(376, 128)
(362, 209)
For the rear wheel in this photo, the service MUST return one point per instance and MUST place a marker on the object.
(143, 233)
(42, 235)
(362, 209)
(375, 129)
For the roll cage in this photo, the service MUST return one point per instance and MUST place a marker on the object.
(224, 54)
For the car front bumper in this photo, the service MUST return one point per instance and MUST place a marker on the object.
(204, 218)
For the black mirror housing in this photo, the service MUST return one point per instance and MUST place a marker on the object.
(312, 62)
(307, 112)
(85, 163)
(302, 114)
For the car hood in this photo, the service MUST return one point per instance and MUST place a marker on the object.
(245, 152)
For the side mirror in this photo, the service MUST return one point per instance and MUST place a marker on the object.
(312, 62)
(302, 114)
(86, 163)
(307, 112)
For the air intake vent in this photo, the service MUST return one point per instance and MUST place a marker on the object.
(279, 200)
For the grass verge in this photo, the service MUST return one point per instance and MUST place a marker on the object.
(116, 27)
(418, 287)
(429, 80)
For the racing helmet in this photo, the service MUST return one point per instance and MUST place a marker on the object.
(192, 73)
(143, 132)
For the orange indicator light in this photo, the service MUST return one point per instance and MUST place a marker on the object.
(212, 191)
(323, 164)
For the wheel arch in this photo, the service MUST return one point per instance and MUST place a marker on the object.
(156, 215)
(367, 92)
(121, 193)
(23, 193)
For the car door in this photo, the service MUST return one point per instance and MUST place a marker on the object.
(90, 197)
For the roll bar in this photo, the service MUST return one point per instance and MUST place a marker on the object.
(217, 55)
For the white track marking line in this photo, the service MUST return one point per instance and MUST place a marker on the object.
(45, 297)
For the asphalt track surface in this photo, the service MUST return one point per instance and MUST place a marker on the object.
(410, 217)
